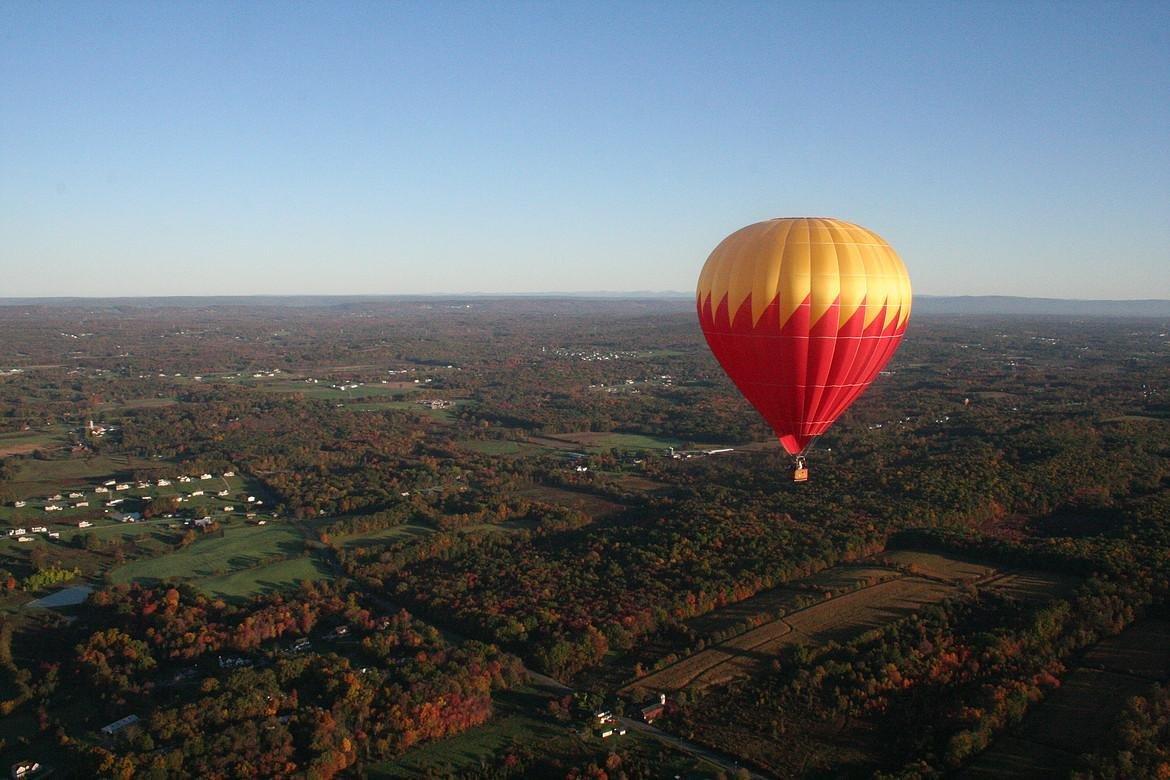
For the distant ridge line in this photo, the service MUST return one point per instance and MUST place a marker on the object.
(971, 305)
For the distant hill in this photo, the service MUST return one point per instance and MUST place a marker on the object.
(1009, 305)
(956, 305)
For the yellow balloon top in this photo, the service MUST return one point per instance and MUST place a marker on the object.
(807, 258)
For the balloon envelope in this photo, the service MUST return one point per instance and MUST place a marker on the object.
(802, 313)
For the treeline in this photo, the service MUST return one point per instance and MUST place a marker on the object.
(242, 691)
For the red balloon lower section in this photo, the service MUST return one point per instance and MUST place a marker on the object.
(800, 375)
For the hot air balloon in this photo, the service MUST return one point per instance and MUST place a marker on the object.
(802, 313)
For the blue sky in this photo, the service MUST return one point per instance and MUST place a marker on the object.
(240, 148)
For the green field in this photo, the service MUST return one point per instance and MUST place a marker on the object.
(468, 749)
(442, 415)
(621, 441)
(396, 533)
(239, 548)
(20, 442)
(495, 446)
(37, 477)
(282, 575)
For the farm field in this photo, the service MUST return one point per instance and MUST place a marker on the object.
(882, 596)
(594, 506)
(776, 602)
(939, 566)
(496, 446)
(36, 477)
(282, 575)
(238, 548)
(1075, 716)
(395, 533)
(621, 441)
(23, 442)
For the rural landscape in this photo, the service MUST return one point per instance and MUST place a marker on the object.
(546, 537)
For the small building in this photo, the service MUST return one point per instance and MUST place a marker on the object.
(164, 482)
(56, 497)
(101, 490)
(222, 493)
(655, 709)
(52, 508)
(113, 728)
(196, 492)
(110, 482)
(80, 504)
(184, 479)
(204, 476)
(122, 486)
(84, 524)
(227, 474)
(39, 529)
(77, 495)
(25, 770)
(24, 539)
(19, 504)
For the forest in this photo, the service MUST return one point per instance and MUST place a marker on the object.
(436, 537)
